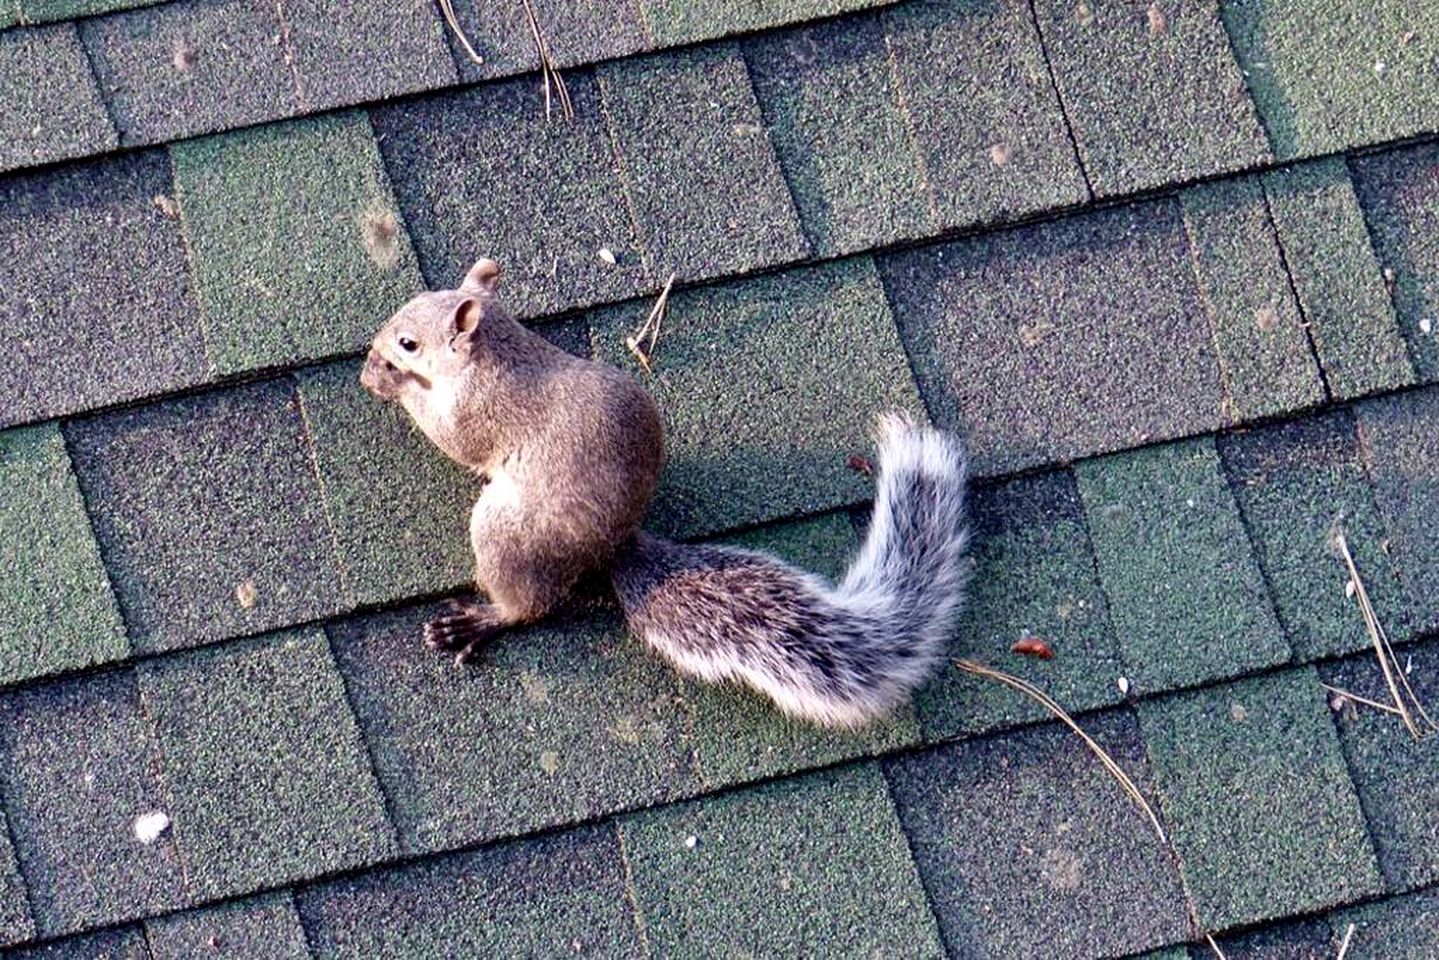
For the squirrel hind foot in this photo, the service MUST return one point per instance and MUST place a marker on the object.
(466, 629)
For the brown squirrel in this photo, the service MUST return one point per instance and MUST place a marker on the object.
(570, 451)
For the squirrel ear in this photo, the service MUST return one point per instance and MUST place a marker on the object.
(465, 318)
(483, 277)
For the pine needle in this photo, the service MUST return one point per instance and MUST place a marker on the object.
(1406, 701)
(1215, 947)
(651, 329)
(555, 89)
(1044, 700)
(1344, 947)
(1387, 708)
(448, 9)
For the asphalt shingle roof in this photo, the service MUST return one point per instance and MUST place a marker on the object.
(1170, 269)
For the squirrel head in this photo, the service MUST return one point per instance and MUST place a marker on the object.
(421, 354)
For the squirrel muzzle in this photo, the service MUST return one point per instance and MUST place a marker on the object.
(380, 376)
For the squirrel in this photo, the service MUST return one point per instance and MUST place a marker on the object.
(569, 452)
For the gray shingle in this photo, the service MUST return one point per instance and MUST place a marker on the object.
(209, 514)
(1006, 152)
(82, 239)
(685, 21)
(126, 943)
(700, 172)
(477, 173)
(1028, 848)
(360, 50)
(271, 780)
(547, 897)
(179, 69)
(52, 108)
(1151, 91)
(1397, 436)
(1119, 354)
(80, 762)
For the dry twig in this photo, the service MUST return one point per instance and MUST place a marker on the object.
(1044, 700)
(651, 329)
(549, 73)
(1406, 701)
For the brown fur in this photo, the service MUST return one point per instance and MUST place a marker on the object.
(571, 449)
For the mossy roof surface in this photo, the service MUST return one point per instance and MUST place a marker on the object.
(1169, 269)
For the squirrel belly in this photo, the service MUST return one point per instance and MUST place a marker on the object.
(835, 655)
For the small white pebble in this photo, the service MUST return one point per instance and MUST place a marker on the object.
(691, 842)
(1380, 66)
(149, 827)
(608, 256)
(1124, 685)
(1349, 589)
(1409, 665)
(1426, 325)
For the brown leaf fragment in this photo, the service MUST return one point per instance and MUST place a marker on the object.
(860, 464)
(1033, 647)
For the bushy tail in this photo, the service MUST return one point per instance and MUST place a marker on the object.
(839, 656)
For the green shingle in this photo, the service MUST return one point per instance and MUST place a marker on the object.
(1119, 354)
(1268, 364)
(15, 922)
(1186, 595)
(1297, 484)
(553, 896)
(1007, 152)
(1260, 806)
(1397, 927)
(815, 866)
(38, 11)
(765, 386)
(1340, 284)
(557, 723)
(480, 173)
(298, 250)
(271, 779)
(697, 164)
(1399, 192)
(1034, 576)
(1397, 777)
(1397, 436)
(52, 108)
(209, 514)
(79, 762)
(1151, 91)
(1328, 75)
(829, 96)
(400, 510)
(59, 612)
(121, 944)
(1029, 848)
(739, 735)
(685, 21)
(261, 928)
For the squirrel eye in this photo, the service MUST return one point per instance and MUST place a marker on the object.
(408, 345)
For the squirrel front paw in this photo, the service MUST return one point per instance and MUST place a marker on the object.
(466, 629)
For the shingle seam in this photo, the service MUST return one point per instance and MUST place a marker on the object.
(911, 129)
(1307, 324)
(631, 892)
(31, 914)
(105, 103)
(1059, 99)
(1228, 404)
(162, 774)
(187, 243)
(647, 263)
(287, 51)
(949, 948)
(347, 590)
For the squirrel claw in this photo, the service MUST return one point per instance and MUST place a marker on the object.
(466, 630)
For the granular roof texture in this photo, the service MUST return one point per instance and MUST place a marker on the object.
(1169, 269)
